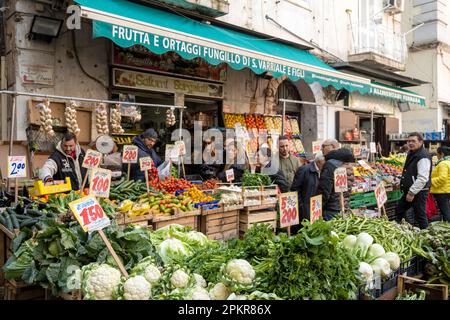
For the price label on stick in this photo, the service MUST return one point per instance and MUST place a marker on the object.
(373, 147)
(92, 159)
(365, 165)
(100, 183)
(230, 175)
(380, 195)
(315, 208)
(340, 180)
(356, 150)
(146, 163)
(316, 146)
(181, 147)
(89, 214)
(130, 154)
(288, 209)
(17, 167)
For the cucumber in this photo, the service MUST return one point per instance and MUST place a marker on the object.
(22, 216)
(10, 211)
(14, 221)
(8, 224)
(28, 222)
(34, 213)
(2, 219)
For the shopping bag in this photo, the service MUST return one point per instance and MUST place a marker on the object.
(431, 206)
(164, 170)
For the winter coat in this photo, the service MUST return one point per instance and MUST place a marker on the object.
(440, 178)
(143, 151)
(306, 182)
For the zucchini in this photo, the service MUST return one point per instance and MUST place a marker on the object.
(2, 219)
(14, 221)
(10, 211)
(8, 224)
(34, 213)
(28, 222)
(22, 216)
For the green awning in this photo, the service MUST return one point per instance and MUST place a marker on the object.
(385, 91)
(129, 24)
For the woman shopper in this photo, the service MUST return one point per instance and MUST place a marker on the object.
(440, 182)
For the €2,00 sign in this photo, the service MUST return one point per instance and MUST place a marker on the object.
(89, 214)
(289, 209)
(130, 154)
(380, 195)
(146, 163)
(340, 180)
(92, 159)
(17, 167)
(100, 183)
(315, 208)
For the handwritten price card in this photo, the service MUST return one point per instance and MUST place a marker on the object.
(100, 183)
(17, 167)
(89, 214)
(130, 154)
(289, 209)
(315, 208)
(92, 159)
(340, 180)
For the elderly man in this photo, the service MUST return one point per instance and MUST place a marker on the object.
(306, 182)
(329, 145)
(415, 182)
(289, 164)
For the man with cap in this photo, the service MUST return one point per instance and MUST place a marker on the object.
(145, 143)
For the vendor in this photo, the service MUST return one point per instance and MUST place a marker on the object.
(289, 164)
(232, 162)
(65, 162)
(145, 143)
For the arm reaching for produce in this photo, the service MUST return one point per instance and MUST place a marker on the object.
(48, 171)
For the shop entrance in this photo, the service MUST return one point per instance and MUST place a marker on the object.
(379, 130)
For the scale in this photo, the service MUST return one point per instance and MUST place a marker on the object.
(105, 145)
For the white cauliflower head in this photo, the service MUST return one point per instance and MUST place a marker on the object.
(240, 271)
(137, 288)
(100, 282)
(152, 274)
(198, 293)
(200, 280)
(179, 279)
(219, 292)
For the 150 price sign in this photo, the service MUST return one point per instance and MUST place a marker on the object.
(17, 167)
(89, 214)
(100, 183)
(92, 159)
(289, 209)
(130, 154)
(340, 180)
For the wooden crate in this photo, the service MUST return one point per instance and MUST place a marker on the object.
(124, 219)
(6, 237)
(74, 295)
(433, 291)
(248, 218)
(221, 225)
(188, 219)
(20, 291)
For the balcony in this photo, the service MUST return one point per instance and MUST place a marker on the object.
(213, 8)
(378, 47)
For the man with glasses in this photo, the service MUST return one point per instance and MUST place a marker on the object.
(329, 145)
(415, 181)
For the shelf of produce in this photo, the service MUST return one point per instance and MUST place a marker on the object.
(21, 291)
(220, 226)
(248, 219)
(188, 219)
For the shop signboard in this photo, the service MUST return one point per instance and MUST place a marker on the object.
(37, 74)
(17, 167)
(288, 203)
(315, 205)
(151, 82)
(340, 180)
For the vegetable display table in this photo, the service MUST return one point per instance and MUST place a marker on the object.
(188, 219)
(266, 214)
(21, 291)
(218, 224)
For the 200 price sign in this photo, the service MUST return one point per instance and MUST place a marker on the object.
(100, 183)
(130, 154)
(92, 159)
(340, 180)
(289, 209)
(89, 214)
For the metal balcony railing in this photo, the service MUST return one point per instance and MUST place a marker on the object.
(378, 39)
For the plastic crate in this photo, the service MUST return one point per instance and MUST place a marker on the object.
(413, 266)
(379, 286)
(394, 195)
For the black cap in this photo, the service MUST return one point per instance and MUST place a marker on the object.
(150, 133)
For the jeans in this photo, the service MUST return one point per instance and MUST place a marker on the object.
(328, 214)
(443, 203)
(419, 205)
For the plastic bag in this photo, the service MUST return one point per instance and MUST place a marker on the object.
(431, 206)
(164, 170)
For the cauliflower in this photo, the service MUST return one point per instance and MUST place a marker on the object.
(173, 250)
(137, 288)
(100, 282)
(200, 280)
(238, 275)
(219, 292)
(234, 296)
(198, 293)
(179, 279)
(148, 269)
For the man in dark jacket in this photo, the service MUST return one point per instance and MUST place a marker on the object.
(265, 166)
(415, 182)
(65, 162)
(331, 199)
(145, 143)
(306, 182)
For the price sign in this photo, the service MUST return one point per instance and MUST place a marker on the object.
(100, 183)
(130, 154)
(380, 195)
(340, 180)
(316, 147)
(230, 175)
(315, 208)
(364, 164)
(356, 150)
(92, 159)
(373, 147)
(288, 209)
(17, 167)
(89, 214)
(146, 163)
(181, 147)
